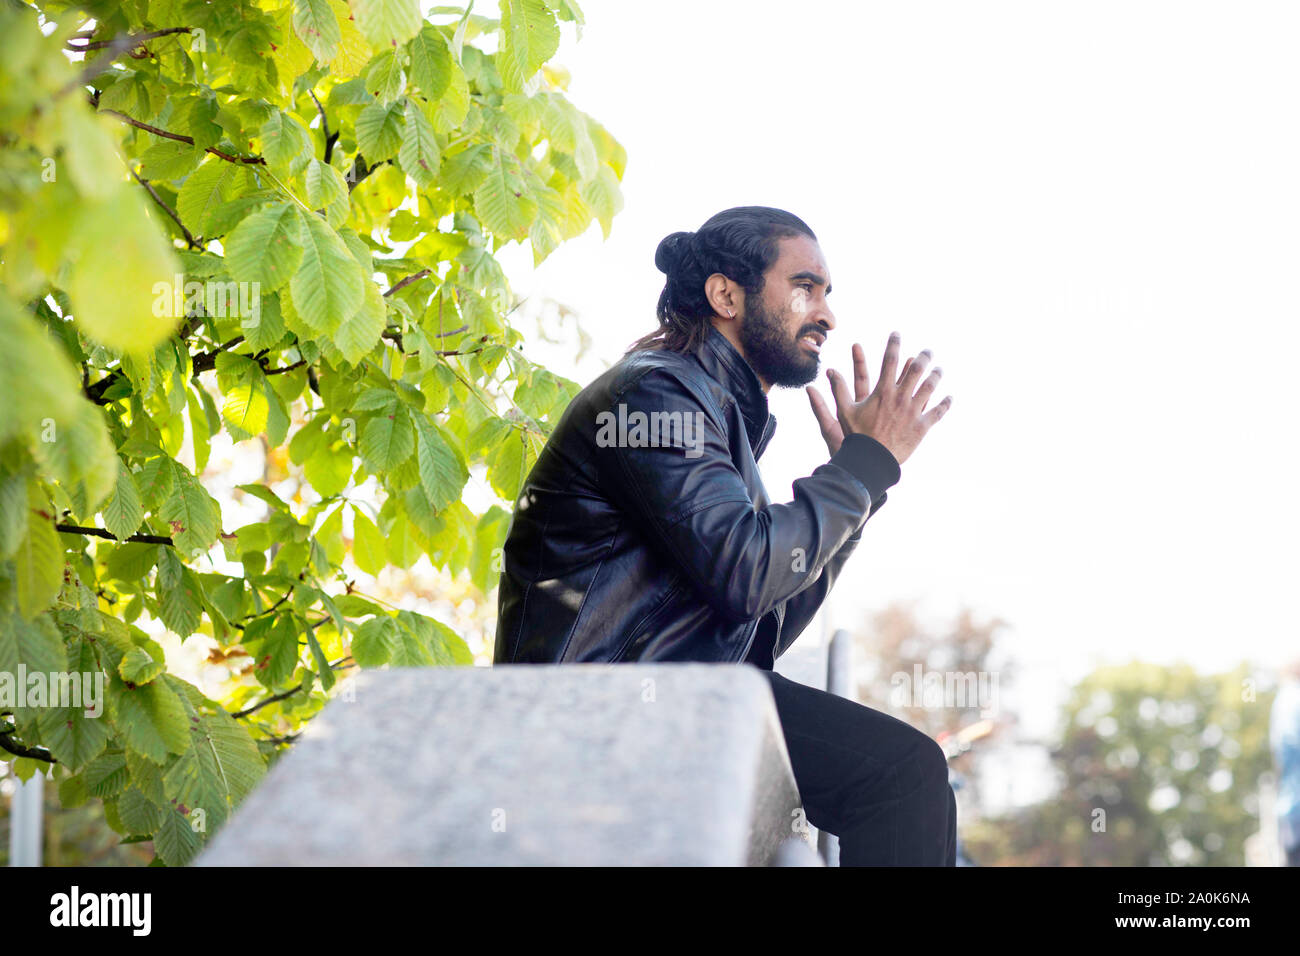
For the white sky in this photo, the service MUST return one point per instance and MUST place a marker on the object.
(1089, 212)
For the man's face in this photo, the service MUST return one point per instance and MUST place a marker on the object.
(784, 325)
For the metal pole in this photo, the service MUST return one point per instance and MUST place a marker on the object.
(25, 822)
(839, 681)
(839, 665)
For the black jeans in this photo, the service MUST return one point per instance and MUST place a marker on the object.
(878, 784)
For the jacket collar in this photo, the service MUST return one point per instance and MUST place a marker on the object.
(721, 360)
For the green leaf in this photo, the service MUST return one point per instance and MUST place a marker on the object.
(329, 470)
(529, 37)
(507, 470)
(13, 511)
(442, 471)
(106, 775)
(325, 185)
(387, 440)
(137, 813)
(418, 154)
(431, 62)
(192, 514)
(489, 538)
(228, 763)
(169, 160)
(200, 428)
(262, 330)
(387, 23)
(176, 841)
(72, 791)
(317, 27)
(379, 130)
(375, 641)
(246, 409)
(276, 648)
(77, 733)
(502, 201)
(37, 646)
(138, 667)
(266, 247)
(327, 288)
(603, 196)
(123, 511)
(123, 261)
(205, 191)
(323, 669)
(38, 566)
(150, 718)
(146, 776)
(286, 143)
(178, 595)
(464, 172)
(358, 336)
(385, 79)
(367, 544)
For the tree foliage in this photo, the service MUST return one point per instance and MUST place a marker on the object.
(275, 219)
(1157, 765)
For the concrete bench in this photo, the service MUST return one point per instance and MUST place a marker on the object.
(576, 764)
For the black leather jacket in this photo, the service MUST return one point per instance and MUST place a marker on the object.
(661, 544)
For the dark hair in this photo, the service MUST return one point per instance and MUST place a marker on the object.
(741, 243)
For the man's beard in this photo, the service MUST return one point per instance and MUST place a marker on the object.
(773, 354)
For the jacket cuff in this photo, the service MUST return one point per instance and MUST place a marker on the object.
(870, 462)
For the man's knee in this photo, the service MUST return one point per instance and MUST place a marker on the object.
(931, 765)
(920, 767)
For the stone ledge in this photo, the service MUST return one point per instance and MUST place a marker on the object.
(574, 764)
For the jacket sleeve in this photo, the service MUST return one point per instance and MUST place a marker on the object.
(691, 502)
(800, 609)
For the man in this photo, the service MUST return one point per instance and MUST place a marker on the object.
(643, 533)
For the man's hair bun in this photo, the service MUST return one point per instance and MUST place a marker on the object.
(671, 249)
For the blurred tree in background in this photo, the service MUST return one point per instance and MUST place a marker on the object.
(1158, 766)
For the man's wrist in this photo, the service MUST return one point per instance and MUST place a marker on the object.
(870, 462)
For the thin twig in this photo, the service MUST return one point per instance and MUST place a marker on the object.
(132, 41)
(182, 138)
(330, 138)
(408, 280)
(189, 237)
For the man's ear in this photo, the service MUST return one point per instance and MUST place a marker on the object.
(726, 297)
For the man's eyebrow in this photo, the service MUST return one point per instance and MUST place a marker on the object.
(813, 276)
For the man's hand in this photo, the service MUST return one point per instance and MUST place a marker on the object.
(893, 414)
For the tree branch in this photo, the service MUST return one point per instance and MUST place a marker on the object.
(206, 361)
(182, 138)
(360, 171)
(113, 49)
(18, 750)
(126, 42)
(276, 698)
(96, 392)
(408, 280)
(189, 238)
(101, 533)
(330, 138)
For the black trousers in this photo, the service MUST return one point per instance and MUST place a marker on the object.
(877, 783)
